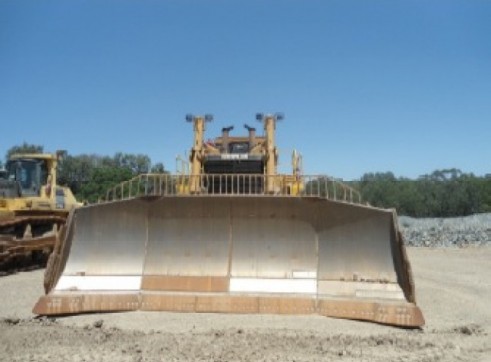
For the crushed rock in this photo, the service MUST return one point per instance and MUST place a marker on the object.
(474, 230)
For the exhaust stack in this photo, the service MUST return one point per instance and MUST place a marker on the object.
(226, 137)
(252, 136)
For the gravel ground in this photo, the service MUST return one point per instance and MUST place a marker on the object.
(453, 290)
(452, 286)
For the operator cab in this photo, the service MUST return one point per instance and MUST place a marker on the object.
(30, 175)
(237, 167)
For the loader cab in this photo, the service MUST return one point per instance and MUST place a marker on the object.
(30, 174)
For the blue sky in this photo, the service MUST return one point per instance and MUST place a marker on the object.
(401, 86)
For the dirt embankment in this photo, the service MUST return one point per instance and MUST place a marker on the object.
(453, 290)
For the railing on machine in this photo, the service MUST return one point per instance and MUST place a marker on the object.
(233, 184)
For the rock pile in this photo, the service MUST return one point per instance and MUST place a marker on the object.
(445, 232)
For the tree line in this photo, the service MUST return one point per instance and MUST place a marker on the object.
(89, 176)
(443, 193)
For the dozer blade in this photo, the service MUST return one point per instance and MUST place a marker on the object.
(233, 254)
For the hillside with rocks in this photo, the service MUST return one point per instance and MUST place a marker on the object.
(446, 232)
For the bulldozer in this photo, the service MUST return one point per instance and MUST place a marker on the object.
(33, 208)
(229, 234)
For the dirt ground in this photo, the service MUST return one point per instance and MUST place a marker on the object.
(453, 289)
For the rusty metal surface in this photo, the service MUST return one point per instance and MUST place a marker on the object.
(59, 256)
(184, 283)
(83, 303)
(263, 254)
(32, 219)
(16, 247)
(397, 314)
(24, 254)
(30, 251)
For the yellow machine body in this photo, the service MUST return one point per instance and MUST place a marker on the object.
(32, 209)
(228, 234)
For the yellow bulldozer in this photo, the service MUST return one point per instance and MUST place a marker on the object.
(228, 234)
(33, 208)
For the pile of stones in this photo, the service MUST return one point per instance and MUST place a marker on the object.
(446, 232)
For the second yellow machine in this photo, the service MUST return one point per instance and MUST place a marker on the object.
(33, 208)
(228, 234)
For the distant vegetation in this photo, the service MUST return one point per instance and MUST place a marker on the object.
(90, 176)
(443, 193)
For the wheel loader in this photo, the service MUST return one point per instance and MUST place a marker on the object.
(228, 234)
(32, 210)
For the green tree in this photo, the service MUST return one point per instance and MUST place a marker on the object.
(103, 179)
(90, 176)
(24, 148)
(450, 192)
(75, 171)
(158, 168)
(484, 185)
(443, 193)
(138, 164)
(379, 189)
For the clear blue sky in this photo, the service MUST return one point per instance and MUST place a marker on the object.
(402, 86)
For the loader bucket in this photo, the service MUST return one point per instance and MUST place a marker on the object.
(233, 254)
